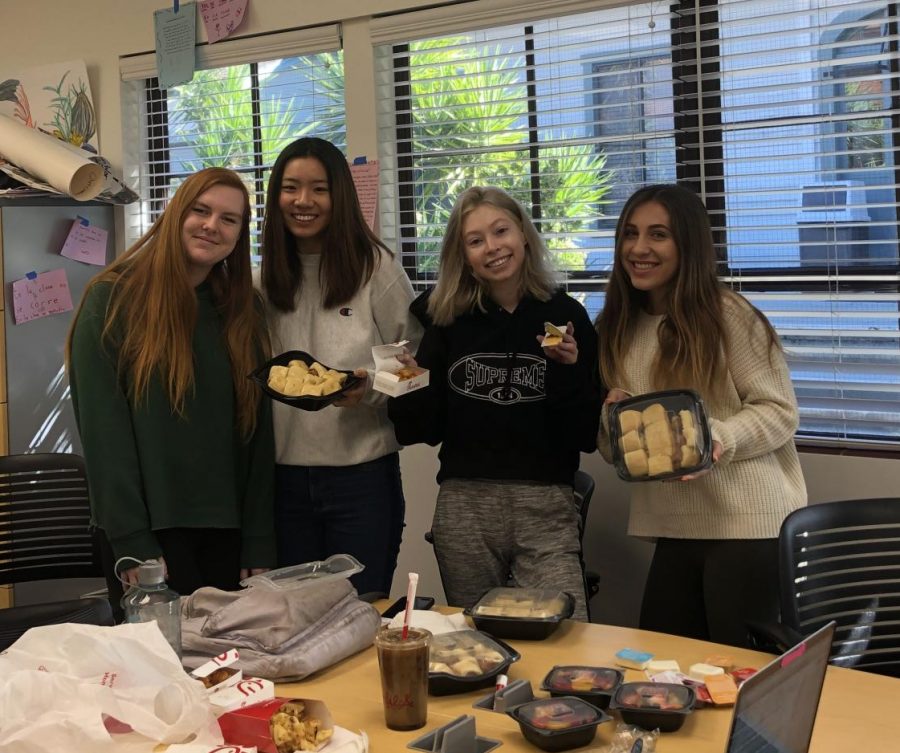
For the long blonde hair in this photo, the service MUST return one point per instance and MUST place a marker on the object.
(152, 308)
(458, 291)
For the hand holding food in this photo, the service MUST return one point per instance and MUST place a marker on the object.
(559, 343)
(656, 441)
(356, 392)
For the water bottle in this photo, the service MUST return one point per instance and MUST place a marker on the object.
(152, 600)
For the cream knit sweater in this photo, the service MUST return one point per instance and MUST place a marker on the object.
(758, 479)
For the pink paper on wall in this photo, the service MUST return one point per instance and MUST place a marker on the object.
(365, 178)
(221, 17)
(41, 295)
(86, 243)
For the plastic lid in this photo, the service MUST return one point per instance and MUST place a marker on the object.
(656, 696)
(523, 603)
(297, 576)
(466, 653)
(660, 435)
(151, 573)
(558, 714)
(580, 679)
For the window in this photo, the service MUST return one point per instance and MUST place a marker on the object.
(238, 115)
(783, 114)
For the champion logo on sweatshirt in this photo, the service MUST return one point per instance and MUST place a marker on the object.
(346, 311)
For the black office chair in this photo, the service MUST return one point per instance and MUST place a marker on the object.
(841, 561)
(45, 534)
(584, 490)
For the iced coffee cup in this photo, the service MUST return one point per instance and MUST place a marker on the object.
(404, 676)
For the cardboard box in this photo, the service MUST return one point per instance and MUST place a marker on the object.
(388, 378)
(227, 677)
(250, 725)
(248, 691)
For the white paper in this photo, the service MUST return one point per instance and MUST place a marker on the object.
(435, 622)
(50, 160)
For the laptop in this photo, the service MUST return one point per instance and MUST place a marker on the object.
(776, 708)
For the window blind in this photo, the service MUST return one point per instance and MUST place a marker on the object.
(793, 134)
(238, 112)
(781, 114)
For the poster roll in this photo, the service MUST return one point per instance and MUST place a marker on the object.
(49, 159)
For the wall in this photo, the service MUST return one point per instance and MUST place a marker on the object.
(44, 31)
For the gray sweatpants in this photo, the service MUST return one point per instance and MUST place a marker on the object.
(486, 531)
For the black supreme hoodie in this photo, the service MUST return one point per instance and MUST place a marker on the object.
(497, 405)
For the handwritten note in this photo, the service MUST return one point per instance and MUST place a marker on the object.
(175, 35)
(86, 243)
(221, 17)
(365, 178)
(41, 295)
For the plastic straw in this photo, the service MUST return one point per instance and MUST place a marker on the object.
(410, 600)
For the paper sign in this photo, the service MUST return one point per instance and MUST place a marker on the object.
(365, 178)
(175, 34)
(86, 243)
(221, 17)
(41, 295)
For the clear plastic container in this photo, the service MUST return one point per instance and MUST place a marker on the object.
(153, 601)
(660, 435)
(558, 723)
(521, 613)
(592, 684)
(654, 705)
(466, 660)
(298, 576)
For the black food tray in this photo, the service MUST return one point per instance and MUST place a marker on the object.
(260, 375)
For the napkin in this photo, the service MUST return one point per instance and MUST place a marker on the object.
(435, 622)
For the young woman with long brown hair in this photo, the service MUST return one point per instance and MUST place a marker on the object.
(511, 416)
(334, 290)
(177, 441)
(669, 323)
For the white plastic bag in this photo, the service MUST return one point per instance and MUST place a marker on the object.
(64, 687)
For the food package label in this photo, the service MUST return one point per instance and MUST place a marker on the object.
(391, 377)
(248, 691)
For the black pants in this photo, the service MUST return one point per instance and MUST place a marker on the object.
(709, 588)
(352, 509)
(194, 557)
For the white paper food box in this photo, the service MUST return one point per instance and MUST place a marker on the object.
(387, 366)
(219, 662)
(248, 691)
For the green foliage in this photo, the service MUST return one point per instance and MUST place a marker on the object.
(469, 112)
(213, 115)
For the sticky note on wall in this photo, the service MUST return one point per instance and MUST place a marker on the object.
(85, 243)
(39, 295)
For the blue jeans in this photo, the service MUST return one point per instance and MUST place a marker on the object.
(354, 509)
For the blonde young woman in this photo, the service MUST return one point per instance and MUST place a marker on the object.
(512, 416)
(177, 441)
(668, 322)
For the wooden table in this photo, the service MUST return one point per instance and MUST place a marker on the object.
(857, 707)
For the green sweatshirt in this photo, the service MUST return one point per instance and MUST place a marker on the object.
(151, 469)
